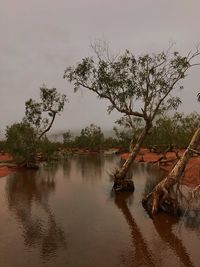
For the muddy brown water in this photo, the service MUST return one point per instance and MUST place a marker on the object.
(65, 215)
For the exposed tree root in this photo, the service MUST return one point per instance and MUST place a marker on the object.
(123, 185)
(159, 200)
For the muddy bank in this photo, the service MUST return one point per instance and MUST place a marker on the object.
(6, 166)
(166, 162)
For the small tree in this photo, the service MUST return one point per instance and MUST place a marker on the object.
(137, 87)
(52, 103)
(21, 142)
(67, 139)
(91, 137)
(24, 138)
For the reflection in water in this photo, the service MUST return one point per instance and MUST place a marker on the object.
(90, 166)
(66, 165)
(142, 255)
(27, 194)
(43, 206)
(154, 176)
(189, 205)
(164, 227)
(162, 222)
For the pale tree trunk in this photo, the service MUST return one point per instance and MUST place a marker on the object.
(121, 181)
(159, 198)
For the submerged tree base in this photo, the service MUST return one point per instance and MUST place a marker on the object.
(123, 185)
(159, 198)
(168, 205)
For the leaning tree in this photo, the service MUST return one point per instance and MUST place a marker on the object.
(23, 137)
(42, 114)
(159, 198)
(136, 87)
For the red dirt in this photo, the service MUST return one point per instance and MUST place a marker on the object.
(191, 175)
(5, 157)
(4, 170)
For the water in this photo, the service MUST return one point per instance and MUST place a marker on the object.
(65, 215)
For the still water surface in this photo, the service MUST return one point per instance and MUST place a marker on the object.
(65, 215)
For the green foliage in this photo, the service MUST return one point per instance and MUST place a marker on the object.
(23, 138)
(124, 136)
(127, 80)
(48, 149)
(128, 130)
(91, 138)
(110, 142)
(3, 146)
(21, 141)
(67, 139)
(139, 87)
(174, 131)
(42, 114)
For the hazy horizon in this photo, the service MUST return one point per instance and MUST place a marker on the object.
(39, 39)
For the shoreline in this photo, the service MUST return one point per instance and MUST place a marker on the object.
(190, 178)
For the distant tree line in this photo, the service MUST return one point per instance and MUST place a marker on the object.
(167, 132)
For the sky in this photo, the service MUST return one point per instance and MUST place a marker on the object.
(40, 38)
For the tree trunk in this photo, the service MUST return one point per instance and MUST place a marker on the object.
(49, 127)
(121, 181)
(159, 198)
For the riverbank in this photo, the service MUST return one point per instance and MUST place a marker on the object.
(5, 160)
(191, 176)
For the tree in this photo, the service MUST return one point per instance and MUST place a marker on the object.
(127, 82)
(21, 142)
(91, 137)
(171, 132)
(24, 138)
(128, 131)
(198, 97)
(67, 139)
(159, 197)
(52, 103)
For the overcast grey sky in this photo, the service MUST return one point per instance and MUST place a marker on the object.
(40, 38)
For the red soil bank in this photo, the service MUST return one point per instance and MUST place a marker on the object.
(4, 170)
(191, 175)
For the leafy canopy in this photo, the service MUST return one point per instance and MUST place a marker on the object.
(135, 86)
(90, 137)
(21, 141)
(52, 103)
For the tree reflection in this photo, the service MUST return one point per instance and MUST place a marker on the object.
(142, 255)
(66, 165)
(188, 203)
(28, 195)
(164, 223)
(153, 176)
(91, 166)
(164, 226)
